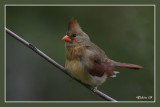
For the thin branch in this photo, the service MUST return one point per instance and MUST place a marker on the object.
(98, 92)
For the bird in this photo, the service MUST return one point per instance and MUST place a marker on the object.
(87, 62)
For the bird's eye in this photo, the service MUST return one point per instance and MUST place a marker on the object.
(74, 35)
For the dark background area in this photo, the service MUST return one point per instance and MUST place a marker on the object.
(125, 33)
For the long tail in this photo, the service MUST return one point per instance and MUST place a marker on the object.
(111, 64)
(131, 66)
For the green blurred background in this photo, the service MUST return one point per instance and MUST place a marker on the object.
(125, 33)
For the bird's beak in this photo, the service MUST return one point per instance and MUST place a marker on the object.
(66, 38)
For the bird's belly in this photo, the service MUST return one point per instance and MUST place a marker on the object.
(76, 69)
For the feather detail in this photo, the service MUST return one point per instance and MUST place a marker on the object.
(131, 66)
(98, 68)
(72, 23)
(73, 27)
(115, 74)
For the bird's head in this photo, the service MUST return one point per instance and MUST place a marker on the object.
(75, 34)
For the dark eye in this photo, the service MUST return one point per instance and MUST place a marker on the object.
(74, 35)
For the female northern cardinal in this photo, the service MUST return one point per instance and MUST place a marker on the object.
(85, 61)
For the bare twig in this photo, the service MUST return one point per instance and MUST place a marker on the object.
(98, 92)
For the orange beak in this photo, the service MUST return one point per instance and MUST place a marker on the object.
(66, 38)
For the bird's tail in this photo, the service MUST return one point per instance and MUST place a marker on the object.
(125, 65)
(131, 66)
(111, 64)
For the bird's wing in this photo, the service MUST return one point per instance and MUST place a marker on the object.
(97, 61)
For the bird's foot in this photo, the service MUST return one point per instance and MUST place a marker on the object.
(94, 89)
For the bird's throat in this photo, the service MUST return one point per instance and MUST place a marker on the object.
(74, 52)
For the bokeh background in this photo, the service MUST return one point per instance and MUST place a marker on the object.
(125, 33)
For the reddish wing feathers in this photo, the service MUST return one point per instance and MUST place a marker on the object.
(100, 68)
(97, 69)
(109, 66)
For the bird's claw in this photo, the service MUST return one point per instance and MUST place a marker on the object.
(94, 89)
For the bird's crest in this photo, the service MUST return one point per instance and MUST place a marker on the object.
(73, 26)
(72, 23)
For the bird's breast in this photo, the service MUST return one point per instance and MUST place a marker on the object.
(74, 62)
(76, 69)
